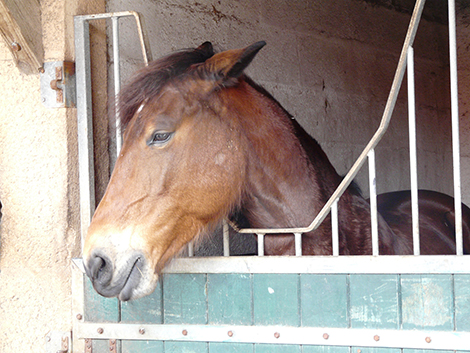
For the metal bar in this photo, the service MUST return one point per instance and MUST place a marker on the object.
(298, 244)
(117, 81)
(226, 238)
(260, 244)
(454, 95)
(144, 43)
(373, 203)
(413, 151)
(397, 80)
(78, 303)
(325, 336)
(84, 125)
(191, 249)
(405, 264)
(334, 229)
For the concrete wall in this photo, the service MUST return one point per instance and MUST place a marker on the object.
(331, 64)
(39, 231)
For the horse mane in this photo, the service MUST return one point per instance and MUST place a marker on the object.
(147, 83)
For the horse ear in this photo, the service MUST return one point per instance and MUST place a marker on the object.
(206, 48)
(231, 63)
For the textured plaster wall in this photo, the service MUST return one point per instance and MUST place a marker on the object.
(39, 232)
(331, 64)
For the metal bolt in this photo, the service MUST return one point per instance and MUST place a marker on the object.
(41, 70)
(15, 46)
(185, 333)
(377, 337)
(230, 333)
(428, 339)
(142, 331)
(277, 334)
(100, 330)
(326, 336)
(79, 316)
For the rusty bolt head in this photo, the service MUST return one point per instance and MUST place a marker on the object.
(15, 46)
(230, 333)
(326, 336)
(142, 331)
(100, 330)
(428, 339)
(79, 316)
(277, 334)
(185, 333)
(376, 337)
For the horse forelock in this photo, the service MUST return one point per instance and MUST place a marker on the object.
(149, 81)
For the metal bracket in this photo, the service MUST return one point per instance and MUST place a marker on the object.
(58, 88)
(58, 342)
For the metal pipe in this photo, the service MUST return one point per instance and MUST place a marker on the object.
(334, 228)
(390, 105)
(226, 238)
(454, 96)
(413, 151)
(373, 203)
(298, 244)
(117, 81)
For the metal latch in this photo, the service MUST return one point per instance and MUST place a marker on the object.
(58, 84)
(58, 342)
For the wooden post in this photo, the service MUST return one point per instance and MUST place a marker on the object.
(21, 29)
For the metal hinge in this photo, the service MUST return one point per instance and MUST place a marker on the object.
(58, 88)
(58, 342)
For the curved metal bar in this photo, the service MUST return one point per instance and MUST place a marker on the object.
(392, 98)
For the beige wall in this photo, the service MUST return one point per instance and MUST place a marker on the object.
(39, 232)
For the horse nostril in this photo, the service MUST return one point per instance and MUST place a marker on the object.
(99, 269)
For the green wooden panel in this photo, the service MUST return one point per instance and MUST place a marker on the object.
(374, 301)
(462, 302)
(427, 302)
(324, 300)
(325, 349)
(142, 347)
(277, 348)
(374, 350)
(276, 299)
(184, 298)
(99, 308)
(229, 299)
(185, 347)
(426, 351)
(217, 347)
(147, 310)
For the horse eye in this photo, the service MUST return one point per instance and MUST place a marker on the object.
(160, 137)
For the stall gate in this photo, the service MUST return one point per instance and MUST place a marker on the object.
(336, 304)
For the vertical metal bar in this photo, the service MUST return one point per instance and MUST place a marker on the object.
(226, 238)
(334, 228)
(298, 244)
(117, 80)
(260, 244)
(413, 152)
(191, 249)
(455, 127)
(373, 203)
(85, 124)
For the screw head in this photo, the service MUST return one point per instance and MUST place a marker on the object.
(79, 316)
(277, 334)
(428, 339)
(100, 330)
(185, 333)
(326, 336)
(142, 331)
(15, 46)
(377, 338)
(230, 333)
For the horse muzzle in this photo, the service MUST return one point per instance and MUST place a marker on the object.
(123, 277)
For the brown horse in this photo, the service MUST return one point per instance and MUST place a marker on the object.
(202, 142)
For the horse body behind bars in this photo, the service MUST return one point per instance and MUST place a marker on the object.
(202, 142)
